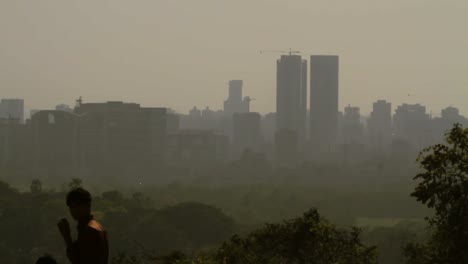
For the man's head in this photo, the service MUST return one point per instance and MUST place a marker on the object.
(79, 203)
(46, 260)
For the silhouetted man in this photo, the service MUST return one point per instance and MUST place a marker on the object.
(91, 246)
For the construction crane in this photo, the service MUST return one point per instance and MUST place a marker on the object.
(290, 51)
(246, 103)
(248, 99)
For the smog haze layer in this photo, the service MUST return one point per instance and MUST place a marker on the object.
(182, 53)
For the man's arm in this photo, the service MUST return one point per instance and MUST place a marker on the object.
(64, 228)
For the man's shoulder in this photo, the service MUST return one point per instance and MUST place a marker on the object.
(95, 226)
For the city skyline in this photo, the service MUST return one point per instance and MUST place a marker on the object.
(272, 131)
(137, 52)
(342, 106)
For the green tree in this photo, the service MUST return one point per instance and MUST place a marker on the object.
(307, 239)
(75, 183)
(6, 191)
(443, 187)
(203, 225)
(391, 240)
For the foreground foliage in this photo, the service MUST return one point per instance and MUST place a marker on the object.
(307, 239)
(304, 240)
(444, 188)
(28, 224)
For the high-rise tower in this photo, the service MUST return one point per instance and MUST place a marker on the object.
(235, 103)
(291, 95)
(324, 72)
(380, 125)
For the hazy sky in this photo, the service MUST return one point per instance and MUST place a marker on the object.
(181, 53)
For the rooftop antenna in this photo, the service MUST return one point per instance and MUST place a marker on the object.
(290, 51)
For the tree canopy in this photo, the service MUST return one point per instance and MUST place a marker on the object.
(443, 187)
(306, 239)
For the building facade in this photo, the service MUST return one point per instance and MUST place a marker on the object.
(412, 124)
(235, 103)
(379, 126)
(247, 134)
(291, 95)
(324, 82)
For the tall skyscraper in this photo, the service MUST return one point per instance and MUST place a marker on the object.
(235, 102)
(380, 125)
(13, 108)
(291, 95)
(324, 72)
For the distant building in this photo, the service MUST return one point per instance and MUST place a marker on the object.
(121, 135)
(291, 95)
(32, 112)
(207, 113)
(235, 102)
(54, 142)
(212, 120)
(246, 104)
(196, 147)
(411, 123)
(113, 138)
(64, 108)
(246, 133)
(352, 135)
(269, 127)
(205, 119)
(353, 130)
(450, 113)
(111, 107)
(12, 108)
(380, 126)
(441, 125)
(15, 144)
(173, 123)
(195, 113)
(324, 81)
